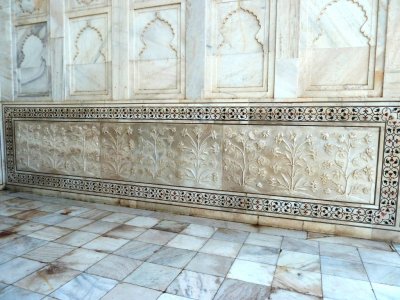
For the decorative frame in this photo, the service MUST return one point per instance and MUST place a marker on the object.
(388, 116)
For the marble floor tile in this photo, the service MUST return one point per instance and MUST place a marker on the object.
(125, 232)
(349, 253)
(17, 269)
(278, 294)
(380, 257)
(30, 214)
(11, 221)
(230, 235)
(173, 257)
(187, 242)
(252, 272)
(85, 286)
(146, 222)
(16, 293)
(386, 292)
(397, 247)
(4, 257)
(259, 254)
(105, 244)
(49, 252)
(156, 237)
(118, 218)
(114, 267)
(51, 219)
(21, 245)
(51, 207)
(73, 211)
(264, 240)
(236, 289)
(300, 245)
(199, 230)
(343, 268)
(210, 264)
(298, 281)
(166, 296)
(75, 223)
(171, 226)
(50, 233)
(222, 248)
(23, 203)
(4, 227)
(299, 260)
(126, 291)
(77, 238)
(195, 285)
(383, 274)
(346, 289)
(359, 243)
(283, 232)
(153, 276)
(94, 214)
(8, 236)
(3, 286)
(81, 259)
(138, 250)
(48, 279)
(10, 211)
(99, 227)
(27, 228)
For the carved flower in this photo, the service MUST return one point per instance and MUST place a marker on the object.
(215, 148)
(314, 185)
(369, 152)
(197, 131)
(324, 179)
(327, 164)
(369, 173)
(181, 146)
(365, 190)
(184, 132)
(266, 133)
(293, 136)
(259, 185)
(170, 139)
(279, 139)
(352, 135)
(228, 145)
(309, 170)
(277, 168)
(140, 130)
(309, 140)
(118, 130)
(342, 138)
(368, 138)
(276, 152)
(105, 130)
(229, 132)
(252, 135)
(261, 160)
(214, 135)
(340, 189)
(261, 144)
(328, 148)
(273, 181)
(131, 144)
(325, 136)
(129, 130)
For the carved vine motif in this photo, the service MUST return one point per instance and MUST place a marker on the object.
(84, 149)
(54, 139)
(96, 47)
(28, 146)
(293, 157)
(118, 145)
(170, 37)
(198, 147)
(350, 167)
(331, 5)
(242, 161)
(157, 157)
(240, 10)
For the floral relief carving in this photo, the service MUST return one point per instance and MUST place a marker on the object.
(28, 145)
(53, 151)
(117, 146)
(199, 148)
(243, 159)
(350, 172)
(293, 155)
(157, 158)
(30, 7)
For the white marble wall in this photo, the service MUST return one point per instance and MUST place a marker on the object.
(191, 50)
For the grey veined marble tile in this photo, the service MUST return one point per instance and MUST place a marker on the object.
(85, 286)
(153, 276)
(22, 245)
(199, 230)
(138, 250)
(49, 252)
(259, 254)
(17, 269)
(300, 261)
(346, 289)
(210, 264)
(172, 257)
(81, 259)
(195, 285)
(126, 291)
(252, 272)
(236, 289)
(16, 293)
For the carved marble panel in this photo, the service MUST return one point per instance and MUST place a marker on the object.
(86, 4)
(30, 8)
(32, 60)
(342, 47)
(241, 48)
(332, 163)
(88, 56)
(158, 51)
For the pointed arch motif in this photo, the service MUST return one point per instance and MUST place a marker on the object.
(88, 27)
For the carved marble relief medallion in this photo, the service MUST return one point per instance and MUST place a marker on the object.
(89, 56)
(30, 8)
(33, 74)
(240, 60)
(343, 44)
(157, 50)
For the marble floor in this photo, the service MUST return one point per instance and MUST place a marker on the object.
(62, 249)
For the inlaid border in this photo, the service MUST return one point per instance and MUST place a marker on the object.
(387, 115)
